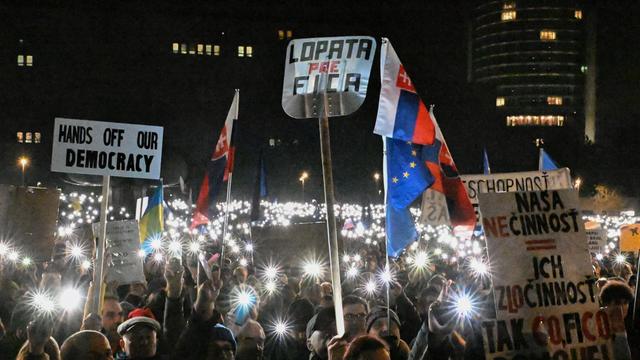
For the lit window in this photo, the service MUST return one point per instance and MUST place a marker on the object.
(535, 120)
(583, 68)
(183, 48)
(175, 47)
(216, 50)
(577, 14)
(37, 137)
(554, 100)
(200, 49)
(192, 49)
(499, 101)
(508, 11)
(249, 51)
(547, 35)
(20, 136)
(20, 60)
(240, 51)
(29, 60)
(207, 49)
(281, 34)
(28, 138)
(289, 34)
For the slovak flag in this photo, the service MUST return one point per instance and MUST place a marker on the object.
(219, 169)
(403, 116)
(401, 113)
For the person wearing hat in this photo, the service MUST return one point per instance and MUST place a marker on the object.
(385, 324)
(140, 335)
(320, 329)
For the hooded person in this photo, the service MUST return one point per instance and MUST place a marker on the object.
(385, 324)
(320, 329)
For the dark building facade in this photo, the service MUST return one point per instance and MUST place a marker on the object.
(535, 63)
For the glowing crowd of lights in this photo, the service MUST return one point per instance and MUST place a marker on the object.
(362, 227)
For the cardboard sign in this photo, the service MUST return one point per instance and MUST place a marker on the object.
(630, 237)
(544, 291)
(338, 65)
(596, 240)
(435, 203)
(103, 148)
(123, 243)
(28, 218)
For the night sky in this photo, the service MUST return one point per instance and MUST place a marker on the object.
(114, 63)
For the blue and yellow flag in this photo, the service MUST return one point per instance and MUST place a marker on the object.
(152, 221)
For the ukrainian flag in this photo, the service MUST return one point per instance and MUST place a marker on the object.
(152, 221)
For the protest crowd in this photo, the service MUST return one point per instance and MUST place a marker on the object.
(433, 309)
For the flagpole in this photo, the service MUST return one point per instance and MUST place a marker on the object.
(386, 237)
(332, 233)
(98, 274)
(229, 180)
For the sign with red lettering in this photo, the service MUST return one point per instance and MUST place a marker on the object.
(337, 66)
(544, 291)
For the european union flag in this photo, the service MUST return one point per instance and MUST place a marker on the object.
(407, 178)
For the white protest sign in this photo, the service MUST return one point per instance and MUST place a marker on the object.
(104, 148)
(123, 243)
(338, 65)
(596, 240)
(435, 203)
(545, 296)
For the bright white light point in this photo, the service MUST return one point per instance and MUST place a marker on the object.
(370, 287)
(156, 244)
(346, 258)
(352, 272)
(271, 272)
(478, 267)
(248, 247)
(386, 276)
(312, 269)
(357, 257)
(235, 248)
(194, 247)
(157, 257)
(244, 299)
(280, 328)
(243, 262)
(43, 302)
(76, 251)
(464, 307)
(270, 286)
(13, 256)
(4, 248)
(621, 259)
(421, 260)
(69, 299)
(86, 265)
(26, 261)
(141, 253)
(599, 257)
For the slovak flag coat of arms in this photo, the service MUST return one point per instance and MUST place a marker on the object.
(403, 116)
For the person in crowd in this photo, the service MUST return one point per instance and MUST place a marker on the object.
(616, 296)
(320, 329)
(112, 316)
(406, 311)
(140, 335)
(367, 347)
(86, 345)
(40, 344)
(385, 324)
(355, 310)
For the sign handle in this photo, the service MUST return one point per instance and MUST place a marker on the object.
(332, 234)
(98, 277)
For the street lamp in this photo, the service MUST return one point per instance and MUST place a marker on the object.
(304, 176)
(376, 177)
(23, 161)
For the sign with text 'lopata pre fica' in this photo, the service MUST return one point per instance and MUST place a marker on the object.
(105, 148)
(545, 296)
(338, 65)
